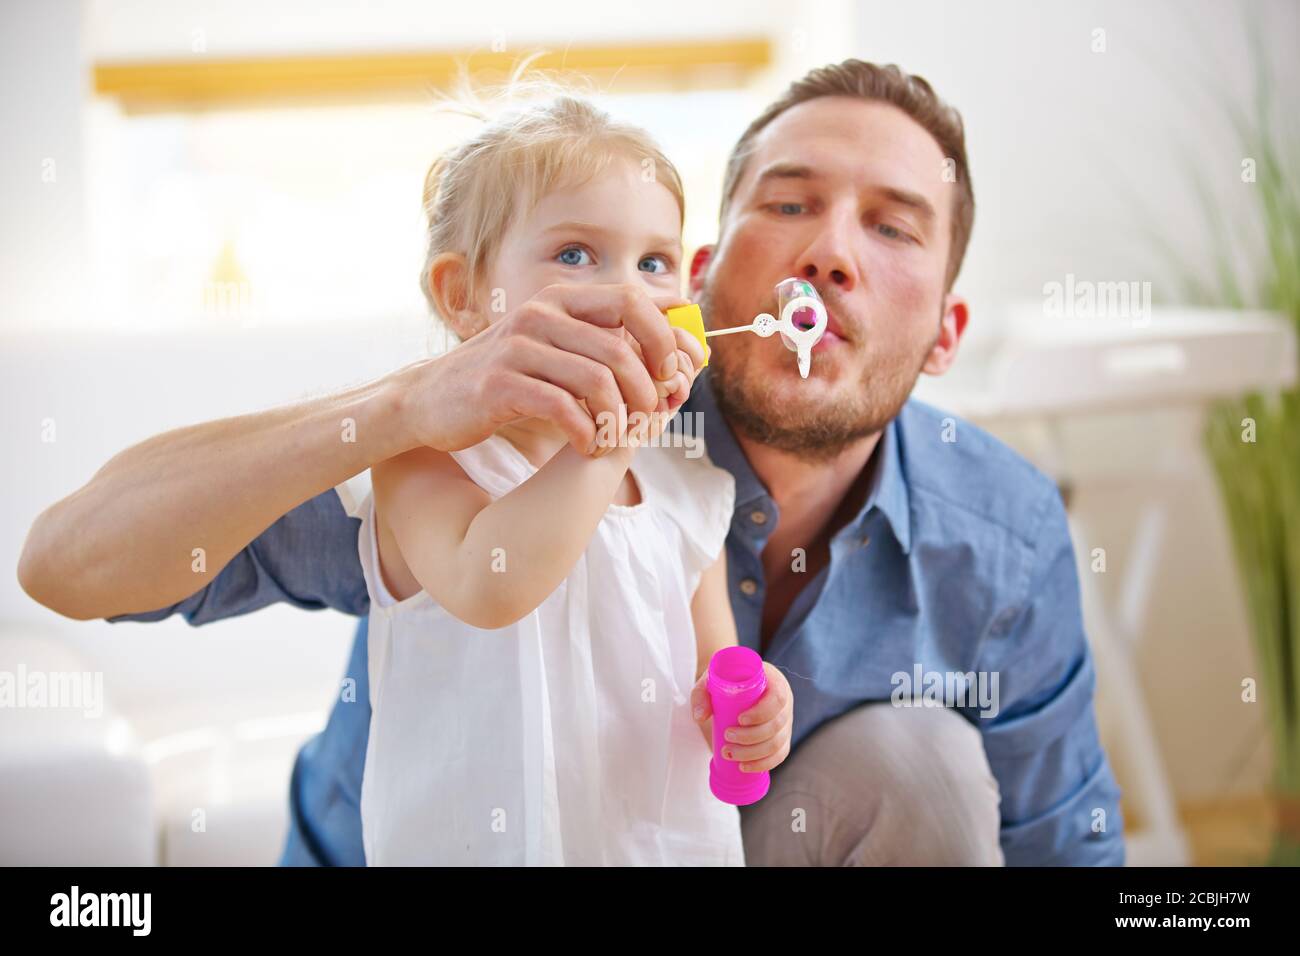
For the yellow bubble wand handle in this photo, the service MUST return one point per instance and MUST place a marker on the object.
(796, 296)
(688, 317)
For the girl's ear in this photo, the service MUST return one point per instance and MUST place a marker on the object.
(450, 285)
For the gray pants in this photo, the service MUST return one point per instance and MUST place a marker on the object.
(880, 786)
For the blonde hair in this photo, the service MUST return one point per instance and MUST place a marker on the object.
(473, 191)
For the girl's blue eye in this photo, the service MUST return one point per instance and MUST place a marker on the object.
(890, 232)
(653, 260)
(790, 208)
(574, 256)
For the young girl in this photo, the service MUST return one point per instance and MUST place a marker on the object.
(538, 616)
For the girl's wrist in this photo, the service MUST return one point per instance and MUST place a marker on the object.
(620, 456)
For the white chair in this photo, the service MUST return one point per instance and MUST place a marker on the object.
(74, 786)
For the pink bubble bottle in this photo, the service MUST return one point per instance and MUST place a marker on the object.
(736, 682)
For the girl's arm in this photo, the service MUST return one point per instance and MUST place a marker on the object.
(448, 530)
(715, 628)
(763, 741)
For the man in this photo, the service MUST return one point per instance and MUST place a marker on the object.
(884, 555)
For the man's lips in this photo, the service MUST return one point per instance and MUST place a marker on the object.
(834, 334)
(803, 318)
(828, 340)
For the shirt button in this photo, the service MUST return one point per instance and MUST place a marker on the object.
(758, 517)
(866, 540)
(749, 587)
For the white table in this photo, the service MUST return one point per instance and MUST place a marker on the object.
(1043, 372)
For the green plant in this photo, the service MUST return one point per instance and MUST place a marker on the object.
(1260, 478)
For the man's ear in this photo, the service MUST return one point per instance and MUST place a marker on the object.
(952, 326)
(451, 287)
(699, 266)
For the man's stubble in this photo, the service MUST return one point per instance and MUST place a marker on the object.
(820, 433)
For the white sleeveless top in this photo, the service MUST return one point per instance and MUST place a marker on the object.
(565, 738)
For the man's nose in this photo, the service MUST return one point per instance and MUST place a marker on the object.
(828, 257)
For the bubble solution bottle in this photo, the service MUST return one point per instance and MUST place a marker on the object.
(736, 682)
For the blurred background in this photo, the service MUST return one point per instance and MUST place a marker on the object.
(210, 208)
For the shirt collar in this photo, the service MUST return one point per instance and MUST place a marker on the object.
(888, 492)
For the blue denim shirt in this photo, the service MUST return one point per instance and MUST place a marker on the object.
(958, 563)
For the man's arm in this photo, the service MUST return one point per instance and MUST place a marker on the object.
(1060, 801)
(130, 540)
(160, 520)
(307, 558)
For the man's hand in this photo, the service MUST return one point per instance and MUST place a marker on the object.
(543, 360)
(761, 741)
(124, 543)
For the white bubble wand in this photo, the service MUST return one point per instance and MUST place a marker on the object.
(794, 297)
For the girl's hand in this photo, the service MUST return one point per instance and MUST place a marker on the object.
(690, 359)
(761, 741)
(674, 392)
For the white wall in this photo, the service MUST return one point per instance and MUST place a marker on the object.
(43, 76)
(1075, 153)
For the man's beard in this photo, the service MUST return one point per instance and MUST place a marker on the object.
(816, 432)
